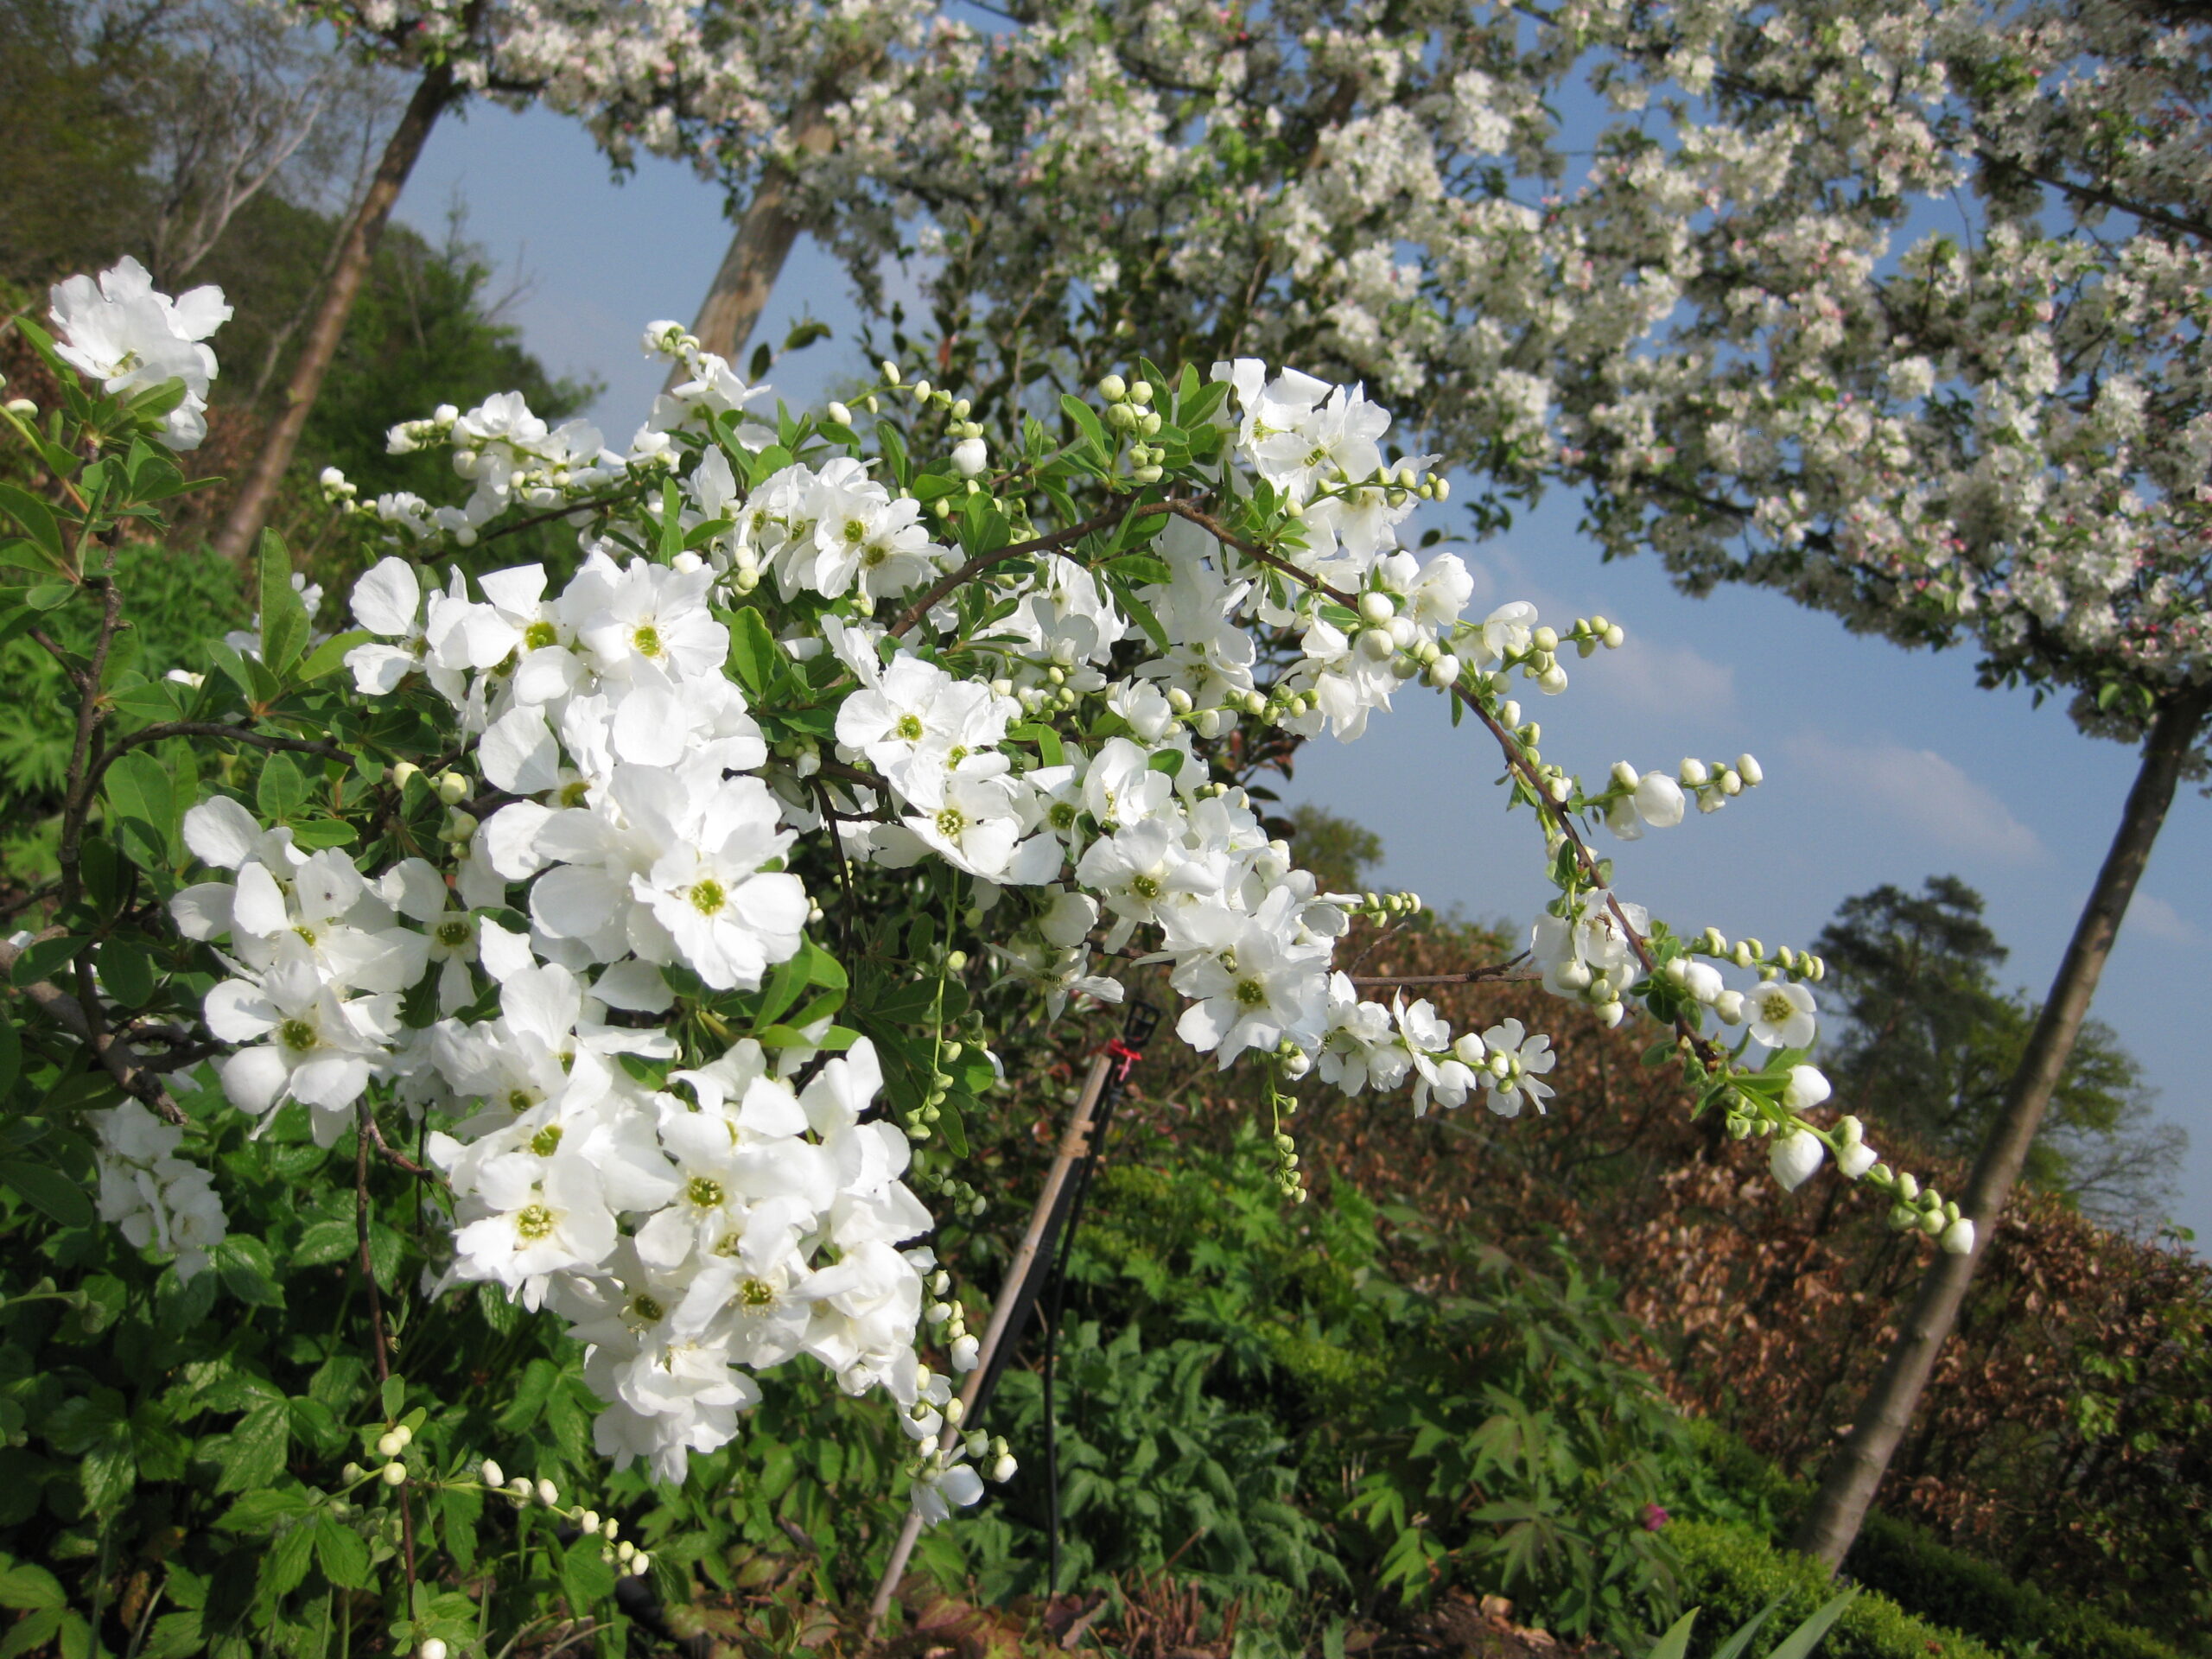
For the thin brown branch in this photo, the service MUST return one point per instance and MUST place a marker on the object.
(365, 1130)
(982, 561)
(117, 1057)
(1513, 972)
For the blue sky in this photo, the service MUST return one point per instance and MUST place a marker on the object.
(1881, 765)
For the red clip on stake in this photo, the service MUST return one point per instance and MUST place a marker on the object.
(1127, 1056)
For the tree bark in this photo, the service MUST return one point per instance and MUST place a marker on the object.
(1847, 1487)
(740, 288)
(258, 494)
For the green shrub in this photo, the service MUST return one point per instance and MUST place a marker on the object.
(1731, 1573)
(1903, 1561)
(1907, 1564)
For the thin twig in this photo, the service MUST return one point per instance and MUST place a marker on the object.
(121, 1061)
(983, 561)
(365, 1130)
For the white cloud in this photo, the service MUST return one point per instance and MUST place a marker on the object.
(2155, 917)
(1662, 677)
(1917, 792)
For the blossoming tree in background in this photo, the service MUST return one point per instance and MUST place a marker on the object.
(627, 68)
(1986, 423)
(1937, 363)
(670, 908)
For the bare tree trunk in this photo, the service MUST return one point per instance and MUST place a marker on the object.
(1848, 1488)
(763, 242)
(257, 495)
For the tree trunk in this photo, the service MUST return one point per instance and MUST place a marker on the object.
(763, 242)
(1848, 1488)
(235, 541)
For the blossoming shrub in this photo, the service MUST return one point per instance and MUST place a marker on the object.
(622, 955)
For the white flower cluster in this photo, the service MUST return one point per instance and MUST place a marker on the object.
(701, 1204)
(156, 1197)
(130, 338)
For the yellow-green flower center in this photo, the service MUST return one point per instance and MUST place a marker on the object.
(533, 1222)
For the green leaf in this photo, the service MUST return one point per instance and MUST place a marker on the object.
(35, 515)
(243, 1264)
(331, 654)
(47, 1191)
(253, 1452)
(1087, 422)
(283, 619)
(46, 958)
(127, 973)
(671, 520)
(341, 1554)
(1736, 1644)
(11, 1053)
(281, 788)
(108, 1472)
(32, 1633)
(1047, 739)
(49, 595)
(1801, 1641)
(24, 1586)
(1675, 1644)
(286, 1563)
(585, 1580)
(325, 1242)
(753, 651)
(137, 786)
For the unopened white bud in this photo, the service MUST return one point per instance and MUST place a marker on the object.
(588, 1521)
(970, 457)
(1805, 1089)
(1113, 388)
(1958, 1237)
(1552, 681)
(548, 1493)
(839, 415)
(1855, 1159)
(431, 1648)
(1626, 775)
(1615, 636)
(1003, 1469)
(1748, 769)
(890, 372)
(395, 1474)
(1693, 772)
(1610, 1013)
(1794, 1157)
(1377, 608)
(963, 1354)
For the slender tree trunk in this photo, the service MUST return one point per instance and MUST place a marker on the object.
(1848, 1488)
(763, 242)
(258, 494)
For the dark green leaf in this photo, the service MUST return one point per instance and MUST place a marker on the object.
(281, 789)
(127, 973)
(753, 651)
(586, 1578)
(47, 1191)
(35, 515)
(284, 617)
(23, 1586)
(330, 654)
(286, 1563)
(341, 1554)
(253, 1453)
(247, 1272)
(325, 1242)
